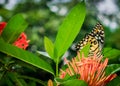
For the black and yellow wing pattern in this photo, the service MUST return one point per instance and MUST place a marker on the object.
(96, 40)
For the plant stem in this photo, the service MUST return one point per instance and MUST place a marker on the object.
(57, 68)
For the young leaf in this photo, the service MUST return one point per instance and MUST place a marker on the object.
(49, 47)
(14, 28)
(69, 30)
(85, 50)
(25, 56)
(74, 82)
(112, 68)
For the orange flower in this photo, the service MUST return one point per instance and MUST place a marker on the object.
(21, 42)
(91, 70)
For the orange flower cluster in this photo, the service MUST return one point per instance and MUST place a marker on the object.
(21, 42)
(91, 70)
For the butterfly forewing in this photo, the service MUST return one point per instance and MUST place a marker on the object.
(96, 40)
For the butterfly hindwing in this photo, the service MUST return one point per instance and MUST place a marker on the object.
(95, 38)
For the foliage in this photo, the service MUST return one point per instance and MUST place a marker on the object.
(75, 81)
(18, 25)
(13, 72)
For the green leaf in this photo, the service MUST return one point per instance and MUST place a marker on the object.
(25, 56)
(74, 82)
(14, 78)
(2, 74)
(33, 79)
(23, 82)
(114, 82)
(14, 28)
(112, 68)
(66, 78)
(8, 82)
(85, 50)
(69, 30)
(112, 54)
(32, 83)
(49, 47)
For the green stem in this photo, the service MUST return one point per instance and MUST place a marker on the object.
(57, 68)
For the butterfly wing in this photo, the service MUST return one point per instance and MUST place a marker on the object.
(98, 34)
(96, 40)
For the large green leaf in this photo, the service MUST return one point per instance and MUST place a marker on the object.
(112, 68)
(14, 28)
(49, 47)
(69, 30)
(74, 82)
(25, 56)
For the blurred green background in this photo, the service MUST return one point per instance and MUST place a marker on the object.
(44, 17)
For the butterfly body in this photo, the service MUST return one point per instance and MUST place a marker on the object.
(96, 40)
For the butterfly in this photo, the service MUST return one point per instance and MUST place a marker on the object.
(96, 40)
